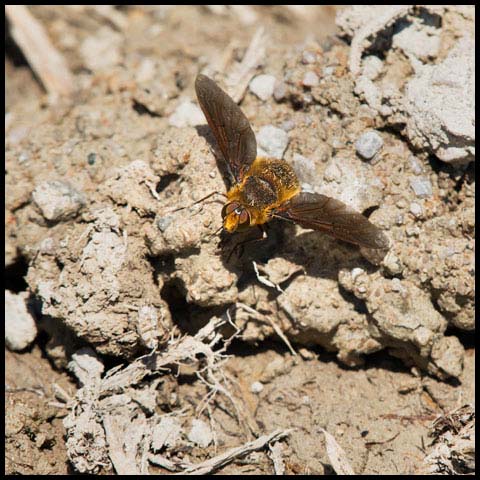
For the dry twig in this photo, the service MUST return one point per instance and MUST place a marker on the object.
(221, 460)
(238, 80)
(337, 456)
(43, 57)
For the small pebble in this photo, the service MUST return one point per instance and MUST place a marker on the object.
(415, 165)
(262, 86)
(369, 144)
(166, 433)
(416, 210)
(187, 114)
(164, 222)
(200, 433)
(310, 79)
(145, 71)
(392, 264)
(357, 272)
(308, 57)
(412, 231)
(256, 387)
(421, 186)
(91, 158)
(58, 200)
(327, 71)
(279, 91)
(396, 285)
(306, 354)
(272, 142)
(20, 328)
(23, 157)
(372, 66)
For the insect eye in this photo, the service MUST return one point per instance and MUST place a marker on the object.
(229, 208)
(244, 216)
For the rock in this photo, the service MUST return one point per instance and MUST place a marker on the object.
(420, 40)
(102, 50)
(263, 86)
(272, 142)
(369, 144)
(421, 186)
(416, 210)
(58, 200)
(20, 328)
(351, 181)
(415, 165)
(200, 433)
(279, 91)
(310, 79)
(187, 114)
(447, 354)
(86, 366)
(147, 324)
(372, 66)
(308, 57)
(256, 387)
(166, 433)
(440, 105)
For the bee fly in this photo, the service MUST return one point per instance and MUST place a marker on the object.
(264, 188)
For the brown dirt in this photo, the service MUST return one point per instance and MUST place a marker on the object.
(344, 381)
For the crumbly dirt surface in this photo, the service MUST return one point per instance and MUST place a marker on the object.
(156, 349)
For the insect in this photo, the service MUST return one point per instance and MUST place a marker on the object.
(265, 188)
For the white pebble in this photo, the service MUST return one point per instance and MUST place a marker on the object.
(369, 144)
(166, 433)
(308, 57)
(187, 114)
(421, 186)
(327, 71)
(356, 272)
(416, 210)
(262, 86)
(200, 433)
(145, 71)
(310, 79)
(86, 366)
(272, 142)
(372, 66)
(20, 328)
(256, 387)
(416, 165)
(279, 91)
(58, 200)
(396, 285)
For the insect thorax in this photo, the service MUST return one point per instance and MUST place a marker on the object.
(266, 185)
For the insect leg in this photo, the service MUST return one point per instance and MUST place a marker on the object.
(241, 245)
(198, 201)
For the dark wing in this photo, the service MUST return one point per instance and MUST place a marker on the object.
(230, 126)
(319, 212)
